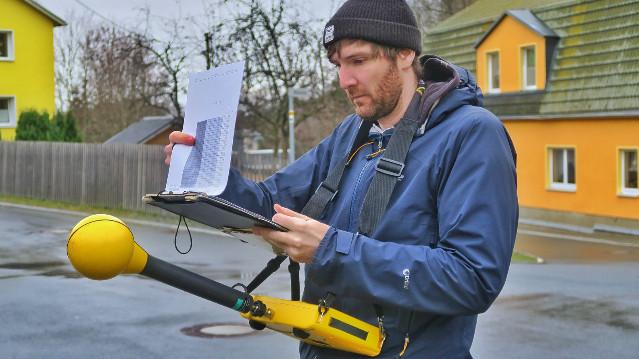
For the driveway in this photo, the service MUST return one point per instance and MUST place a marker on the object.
(584, 303)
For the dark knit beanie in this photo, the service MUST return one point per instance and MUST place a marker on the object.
(387, 22)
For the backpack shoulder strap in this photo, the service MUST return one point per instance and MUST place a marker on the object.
(327, 189)
(390, 167)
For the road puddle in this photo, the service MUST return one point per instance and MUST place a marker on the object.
(567, 308)
(44, 268)
(31, 265)
(66, 273)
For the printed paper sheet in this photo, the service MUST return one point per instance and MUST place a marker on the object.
(212, 100)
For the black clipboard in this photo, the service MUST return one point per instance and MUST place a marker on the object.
(211, 211)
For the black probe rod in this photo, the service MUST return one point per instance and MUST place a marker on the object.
(196, 284)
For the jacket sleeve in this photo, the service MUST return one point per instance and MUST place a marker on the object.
(477, 218)
(291, 186)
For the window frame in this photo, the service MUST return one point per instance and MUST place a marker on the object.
(523, 64)
(12, 112)
(564, 186)
(622, 190)
(489, 71)
(10, 45)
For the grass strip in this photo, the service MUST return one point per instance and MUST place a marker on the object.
(67, 206)
(523, 258)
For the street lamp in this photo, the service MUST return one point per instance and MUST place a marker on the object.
(292, 94)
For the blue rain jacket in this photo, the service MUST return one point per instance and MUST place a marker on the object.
(458, 195)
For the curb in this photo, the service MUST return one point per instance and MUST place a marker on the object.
(125, 219)
(581, 229)
(538, 259)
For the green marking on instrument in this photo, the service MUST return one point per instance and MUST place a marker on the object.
(238, 304)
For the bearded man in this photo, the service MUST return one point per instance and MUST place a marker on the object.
(418, 202)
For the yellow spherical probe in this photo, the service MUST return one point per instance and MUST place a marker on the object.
(102, 246)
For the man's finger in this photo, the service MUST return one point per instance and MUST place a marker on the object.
(289, 222)
(277, 238)
(168, 150)
(289, 212)
(181, 138)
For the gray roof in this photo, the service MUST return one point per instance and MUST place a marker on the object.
(527, 18)
(57, 21)
(143, 130)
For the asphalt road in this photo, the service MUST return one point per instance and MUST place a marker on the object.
(575, 306)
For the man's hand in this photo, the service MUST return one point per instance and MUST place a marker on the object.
(177, 137)
(301, 241)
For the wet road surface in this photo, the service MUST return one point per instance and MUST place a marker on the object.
(47, 310)
(584, 303)
(557, 246)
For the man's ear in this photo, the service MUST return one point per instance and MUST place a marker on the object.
(405, 59)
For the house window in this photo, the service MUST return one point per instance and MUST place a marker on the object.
(7, 112)
(562, 169)
(493, 71)
(528, 68)
(6, 45)
(628, 169)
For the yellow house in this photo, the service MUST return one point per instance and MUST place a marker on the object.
(563, 76)
(27, 79)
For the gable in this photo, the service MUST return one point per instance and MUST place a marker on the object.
(57, 21)
(143, 130)
(595, 67)
(507, 39)
(526, 19)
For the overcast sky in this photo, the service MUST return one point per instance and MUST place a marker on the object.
(126, 14)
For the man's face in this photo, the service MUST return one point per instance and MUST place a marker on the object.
(371, 81)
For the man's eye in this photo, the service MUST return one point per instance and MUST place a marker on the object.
(358, 61)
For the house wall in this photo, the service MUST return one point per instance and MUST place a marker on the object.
(508, 38)
(160, 139)
(30, 77)
(596, 143)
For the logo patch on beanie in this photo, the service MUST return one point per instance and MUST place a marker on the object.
(328, 34)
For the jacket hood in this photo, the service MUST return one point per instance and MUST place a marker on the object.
(448, 87)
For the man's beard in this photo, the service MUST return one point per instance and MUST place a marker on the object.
(384, 99)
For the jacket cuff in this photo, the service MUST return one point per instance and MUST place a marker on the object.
(335, 244)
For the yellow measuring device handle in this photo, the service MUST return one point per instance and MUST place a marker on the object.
(333, 329)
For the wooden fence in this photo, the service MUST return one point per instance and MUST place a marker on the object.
(258, 164)
(109, 175)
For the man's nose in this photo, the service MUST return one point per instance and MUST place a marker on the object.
(346, 78)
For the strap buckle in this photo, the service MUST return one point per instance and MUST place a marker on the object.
(324, 305)
(329, 189)
(390, 167)
(382, 330)
(322, 308)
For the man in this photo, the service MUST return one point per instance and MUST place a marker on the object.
(440, 252)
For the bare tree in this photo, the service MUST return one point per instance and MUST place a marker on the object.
(171, 57)
(280, 53)
(68, 55)
(172, 49)
(119, 83)
(430, 12)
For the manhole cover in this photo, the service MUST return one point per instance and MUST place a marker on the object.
(219, 330)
